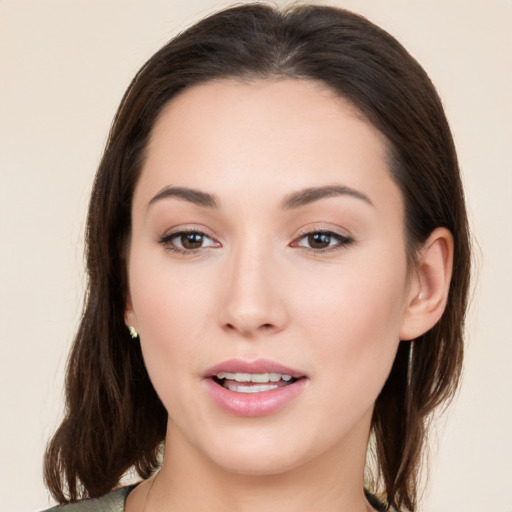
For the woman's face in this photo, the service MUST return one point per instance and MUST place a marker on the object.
(267, 273)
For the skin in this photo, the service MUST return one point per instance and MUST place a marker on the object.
(256, 288)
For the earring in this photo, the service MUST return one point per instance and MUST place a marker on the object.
(410, 362)
(133, 332)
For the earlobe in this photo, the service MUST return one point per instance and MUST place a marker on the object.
(430, 285)
(129, 317)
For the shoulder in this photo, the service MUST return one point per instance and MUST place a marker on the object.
(111, 502)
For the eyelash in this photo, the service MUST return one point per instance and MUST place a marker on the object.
(342, 241)
(169, 245)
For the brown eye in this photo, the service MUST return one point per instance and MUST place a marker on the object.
(319, 240)
(322, 241)
(191, 240)
(187, 241)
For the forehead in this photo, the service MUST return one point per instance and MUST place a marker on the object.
(271, 135)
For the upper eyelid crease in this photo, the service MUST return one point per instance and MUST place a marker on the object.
(179, 232)
(333, 234)
(166, 239)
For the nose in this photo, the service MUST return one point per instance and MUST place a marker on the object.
(253, 302)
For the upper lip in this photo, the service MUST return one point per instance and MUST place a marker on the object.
(256, 366)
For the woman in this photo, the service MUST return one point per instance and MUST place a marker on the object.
(278, 266)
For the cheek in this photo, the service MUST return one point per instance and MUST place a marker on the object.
(353, 299)
(171, 312)
(354, 322)
(167, 297)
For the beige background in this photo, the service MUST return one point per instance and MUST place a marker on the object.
(64, 66)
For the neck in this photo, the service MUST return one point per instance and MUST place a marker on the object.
(189, 481)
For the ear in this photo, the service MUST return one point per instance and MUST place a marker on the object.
(130, 319)
(430, 284)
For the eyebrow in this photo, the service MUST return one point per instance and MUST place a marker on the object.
(187, 194)
(310, 195)
(291, 201)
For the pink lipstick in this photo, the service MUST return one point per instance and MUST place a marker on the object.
(253, 388)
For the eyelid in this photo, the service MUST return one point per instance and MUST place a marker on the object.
(188, 228)
(321, 227)
(343, 239)
(165, 239)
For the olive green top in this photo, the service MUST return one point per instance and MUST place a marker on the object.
(111, 502)
(115, 500)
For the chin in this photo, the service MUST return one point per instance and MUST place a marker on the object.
(254, 451)
(260, 463)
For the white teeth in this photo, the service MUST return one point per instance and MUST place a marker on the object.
(259, 378)
(249, 389)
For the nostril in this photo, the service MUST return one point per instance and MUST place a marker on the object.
(247, 331)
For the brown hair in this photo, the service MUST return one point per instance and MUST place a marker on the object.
(114, 419)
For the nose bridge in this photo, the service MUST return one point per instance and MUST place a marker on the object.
(253, 301)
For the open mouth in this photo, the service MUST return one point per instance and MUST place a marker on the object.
(253, 388)
(252, 382)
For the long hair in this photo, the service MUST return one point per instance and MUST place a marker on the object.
(114, 419)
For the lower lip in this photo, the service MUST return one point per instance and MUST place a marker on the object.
(254, 404)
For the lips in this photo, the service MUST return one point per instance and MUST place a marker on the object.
(255, 367)
(253, 388)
